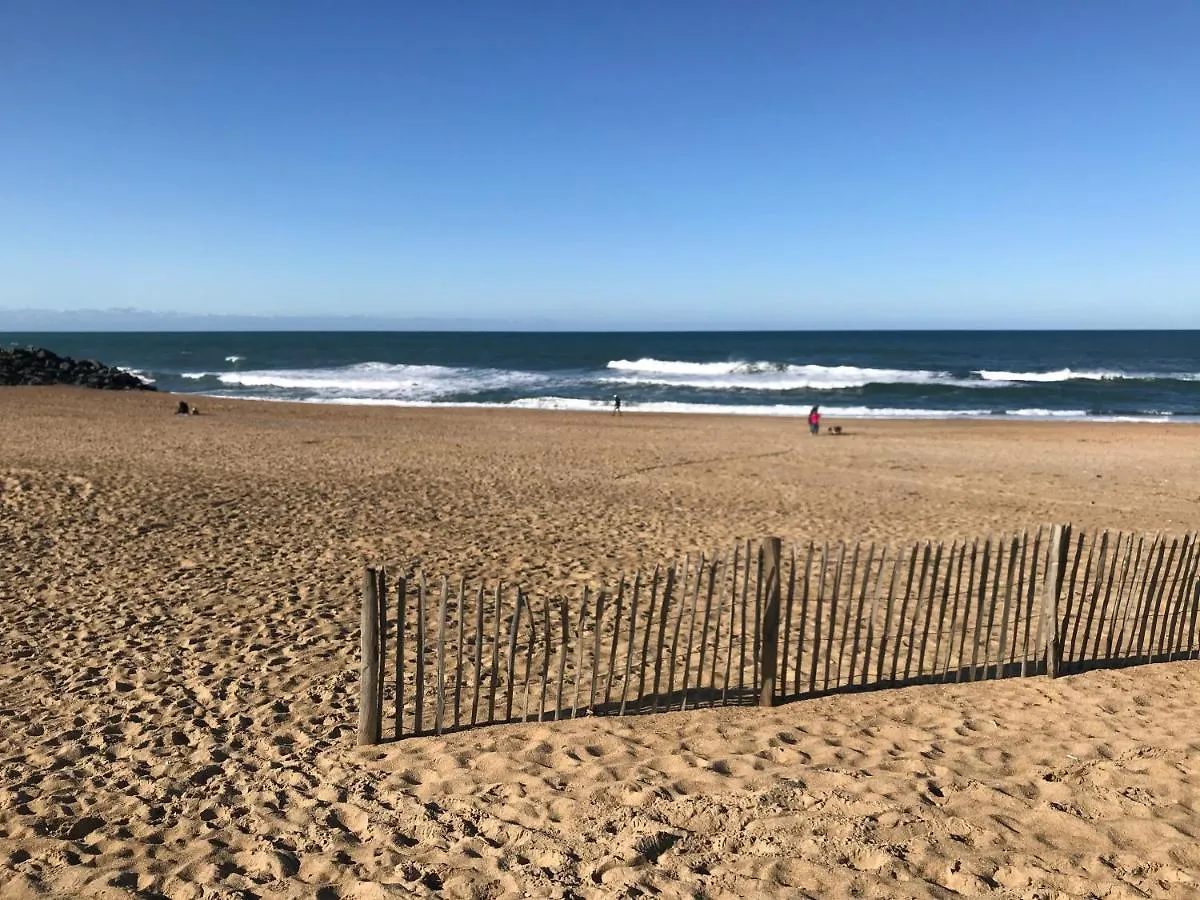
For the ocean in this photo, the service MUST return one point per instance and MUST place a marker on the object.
(1078, 375)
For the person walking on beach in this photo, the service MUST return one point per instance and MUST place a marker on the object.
(814, 420)
(616, 404)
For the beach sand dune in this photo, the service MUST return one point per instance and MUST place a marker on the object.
(179, 661)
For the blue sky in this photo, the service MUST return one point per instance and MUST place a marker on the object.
(678, 165)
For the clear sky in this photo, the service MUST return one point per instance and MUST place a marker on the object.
(620, 165)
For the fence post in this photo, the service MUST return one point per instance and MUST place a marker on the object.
(768, 652)
(369, 694)
(1056, 566)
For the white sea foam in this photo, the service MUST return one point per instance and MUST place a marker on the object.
(767, 376)
(137, 373)
(382, 381)
(831, 413)
(234, 359)
(1056, 375)
(679, 367)
(1049, 413)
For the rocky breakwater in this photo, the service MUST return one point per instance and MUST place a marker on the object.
(33, 365)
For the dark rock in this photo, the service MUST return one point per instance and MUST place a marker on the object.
(38, 366)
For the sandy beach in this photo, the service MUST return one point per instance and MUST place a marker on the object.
(179, 662)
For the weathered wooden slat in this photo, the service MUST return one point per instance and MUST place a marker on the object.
(756, 646)
(1112, 618)
(816, 642)
(852, 575)
(1179, 594)
(495, 681)
(401, 626)
(1029, 654)
(1074, 614)
(912, 568)
(459, 652)
(530, 641)
(419, 645)
(858, 614)
(1166, 642)
(1087, 614)
(981, 598)
(1018, 599)
(951, 633)
(1151, 596)
(743, 634)
(511, 679)
(868, 650)
(1066, 602)
(439, 713)
(1153, 614)
(713, 568)
(1140, 581)
(1185, 639)
(673, 656)
(633, 610)
(1118, 584)
(1056, 566)
(563, 646)
(770, 553)
(369, 687)
(650, 611)
(929, 604)
(597, 628)
(580, 663)
(1192, 591)
(546, 653)
(964, 669)
(687, 656)
(916, 616)
(1110, 552)
(887, 617)
(1125, 590)
(833, 609)
(1163, 620)
(616, 642)
(787, 623)
(936, 665)
(804, 606)
(478, 662)
(664, 612)
(383, 642)
(832, 641)
(732, 569)
(1014, 549)
(993, 604)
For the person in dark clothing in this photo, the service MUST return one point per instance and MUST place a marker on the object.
(616, 404)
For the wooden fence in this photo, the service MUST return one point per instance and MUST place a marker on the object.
(758, 626)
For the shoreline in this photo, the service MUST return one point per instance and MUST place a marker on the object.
(601, 408)
(565, 404)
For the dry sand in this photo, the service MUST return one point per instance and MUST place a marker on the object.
(178, 662)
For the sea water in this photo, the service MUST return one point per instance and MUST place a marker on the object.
(1135, 375)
